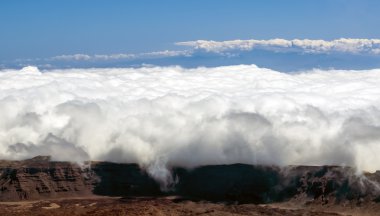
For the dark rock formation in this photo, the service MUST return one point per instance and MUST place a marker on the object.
(40, 178)
(236, 182)
(267, 184)
(123, 180)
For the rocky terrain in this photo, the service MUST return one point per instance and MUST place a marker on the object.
(58, 188)
(40, 178)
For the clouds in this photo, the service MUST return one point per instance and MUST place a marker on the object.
(120, 56)
(278, 54)
(161, 117)
(343, 45)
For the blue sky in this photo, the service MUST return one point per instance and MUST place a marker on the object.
(45, 28)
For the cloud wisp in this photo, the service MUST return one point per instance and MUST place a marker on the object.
(160, 117)
(343, 45)
(277, 54)
(120, 56)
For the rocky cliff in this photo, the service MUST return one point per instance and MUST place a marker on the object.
(40, 178)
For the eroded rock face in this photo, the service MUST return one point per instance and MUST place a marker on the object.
(333, 185)
(40, 178)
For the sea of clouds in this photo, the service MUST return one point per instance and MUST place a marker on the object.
(161, 117)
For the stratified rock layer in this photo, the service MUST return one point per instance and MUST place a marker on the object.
(39, 178)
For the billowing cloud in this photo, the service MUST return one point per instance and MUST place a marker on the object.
(353, 46)
(161, 117)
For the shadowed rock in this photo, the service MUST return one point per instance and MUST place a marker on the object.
(40, 178)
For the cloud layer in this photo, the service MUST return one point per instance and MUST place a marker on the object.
(161, 117)
(343, 45)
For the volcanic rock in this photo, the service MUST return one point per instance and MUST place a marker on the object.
(41, 178)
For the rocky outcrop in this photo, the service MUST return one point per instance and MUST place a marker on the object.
(40, 178)
(267, 184)
(123, 180)
(334, 185)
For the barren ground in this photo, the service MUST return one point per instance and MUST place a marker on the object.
(170, 206)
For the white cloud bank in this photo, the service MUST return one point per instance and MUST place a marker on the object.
(169, 116)
(344, 45)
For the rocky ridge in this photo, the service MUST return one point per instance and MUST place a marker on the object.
(41, 178)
